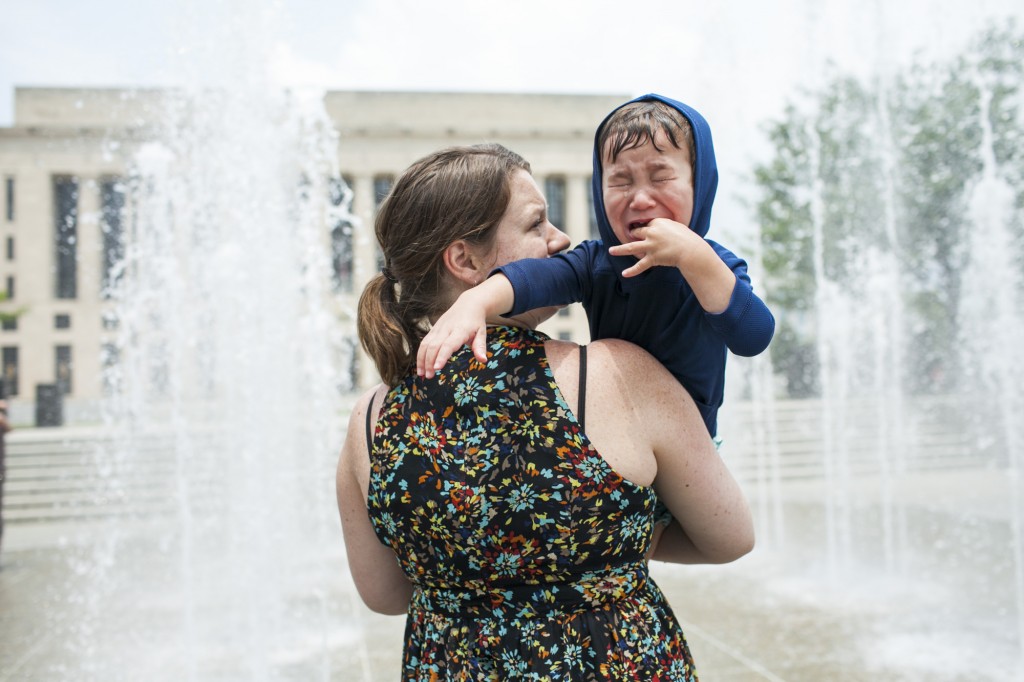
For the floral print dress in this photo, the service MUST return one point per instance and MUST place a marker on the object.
(526, 549)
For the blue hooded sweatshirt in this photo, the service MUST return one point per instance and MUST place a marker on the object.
(657, 309)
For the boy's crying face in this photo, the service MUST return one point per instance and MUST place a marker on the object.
(643, 183)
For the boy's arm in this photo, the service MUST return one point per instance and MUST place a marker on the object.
(747, 325)
(558, 280)
(465, 322)
(717, 277)
(512, 289)
(665, 242)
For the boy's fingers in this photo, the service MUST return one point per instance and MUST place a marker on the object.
(480, 344)
(428, 362)
(444, 352)
(430, 357)
(421, 358)
(634, 270)
(631, 249)
(434, 354)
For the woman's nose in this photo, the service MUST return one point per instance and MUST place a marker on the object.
(557, 240)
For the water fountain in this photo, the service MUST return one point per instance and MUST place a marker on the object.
(225, 390)
(226, 402)
(992, 329)
(916, 510)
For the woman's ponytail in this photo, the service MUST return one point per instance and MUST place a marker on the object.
(455, 193)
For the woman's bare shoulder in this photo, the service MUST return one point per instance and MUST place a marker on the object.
(357, 417)
(625, 369)
(364, 402)
(628, 357)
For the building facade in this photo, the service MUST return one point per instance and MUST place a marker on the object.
(63, 164)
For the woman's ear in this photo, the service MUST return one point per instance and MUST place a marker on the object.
(462, 262)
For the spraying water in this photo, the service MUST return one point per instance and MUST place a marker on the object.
(226, 381)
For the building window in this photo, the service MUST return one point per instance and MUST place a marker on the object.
(65, 194)
(109, 321)
(62, 368)
(564, 336)
(10, 248)
(595, 233)
(350, 358)
(341, 235)
(554, 192)
(62, 321)
(564, 311)
(9, 199)
(109, 357)
(9, 323)
(10, 375)
(10, 287)
(350, 183)
(112, 211)
(381, 187)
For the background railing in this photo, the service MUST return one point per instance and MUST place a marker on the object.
(69, 475)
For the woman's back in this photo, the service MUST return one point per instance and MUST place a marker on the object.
(526, 548)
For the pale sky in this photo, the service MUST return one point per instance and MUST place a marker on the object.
(736, 61)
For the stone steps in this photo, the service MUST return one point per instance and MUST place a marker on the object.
(932, 436)
(55, 477)
(66, 474)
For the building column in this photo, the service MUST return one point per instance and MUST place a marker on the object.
(84, 334)
(577, 208)
(364, 254)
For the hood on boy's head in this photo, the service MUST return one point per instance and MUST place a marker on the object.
(705, 175)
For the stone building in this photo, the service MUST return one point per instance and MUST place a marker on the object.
(64, 158)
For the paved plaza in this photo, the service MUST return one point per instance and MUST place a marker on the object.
(825, 596)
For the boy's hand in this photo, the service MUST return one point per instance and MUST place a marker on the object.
(465, 322)
(666, 242)
(661, 242)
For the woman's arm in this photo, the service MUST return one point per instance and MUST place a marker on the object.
(647, 427)
(379, 578)
(641, 413)
(711, 519)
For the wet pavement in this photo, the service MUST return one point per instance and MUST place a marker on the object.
(923, 589)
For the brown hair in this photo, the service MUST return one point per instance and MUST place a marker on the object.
(455, 193)
(636, 124)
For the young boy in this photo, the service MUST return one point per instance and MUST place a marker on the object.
(654, 182)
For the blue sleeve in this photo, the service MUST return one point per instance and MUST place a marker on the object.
(559, 280)
(746, 325)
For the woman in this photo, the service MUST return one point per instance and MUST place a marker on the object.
(508, 507)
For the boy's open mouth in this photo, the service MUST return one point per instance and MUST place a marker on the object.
(636, 225)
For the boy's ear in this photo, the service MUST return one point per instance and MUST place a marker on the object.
(462, 262)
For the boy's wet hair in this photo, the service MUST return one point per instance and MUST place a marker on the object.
(638, 123)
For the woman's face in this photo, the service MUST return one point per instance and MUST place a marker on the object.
(524, 230)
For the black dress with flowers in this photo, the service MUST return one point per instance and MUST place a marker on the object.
(525, 547)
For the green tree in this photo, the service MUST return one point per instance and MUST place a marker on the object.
(8, 316)
(864, 174)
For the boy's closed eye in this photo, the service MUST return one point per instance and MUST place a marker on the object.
(618, 180)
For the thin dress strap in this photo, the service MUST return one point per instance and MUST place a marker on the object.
(369, 424)
(581, 409)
